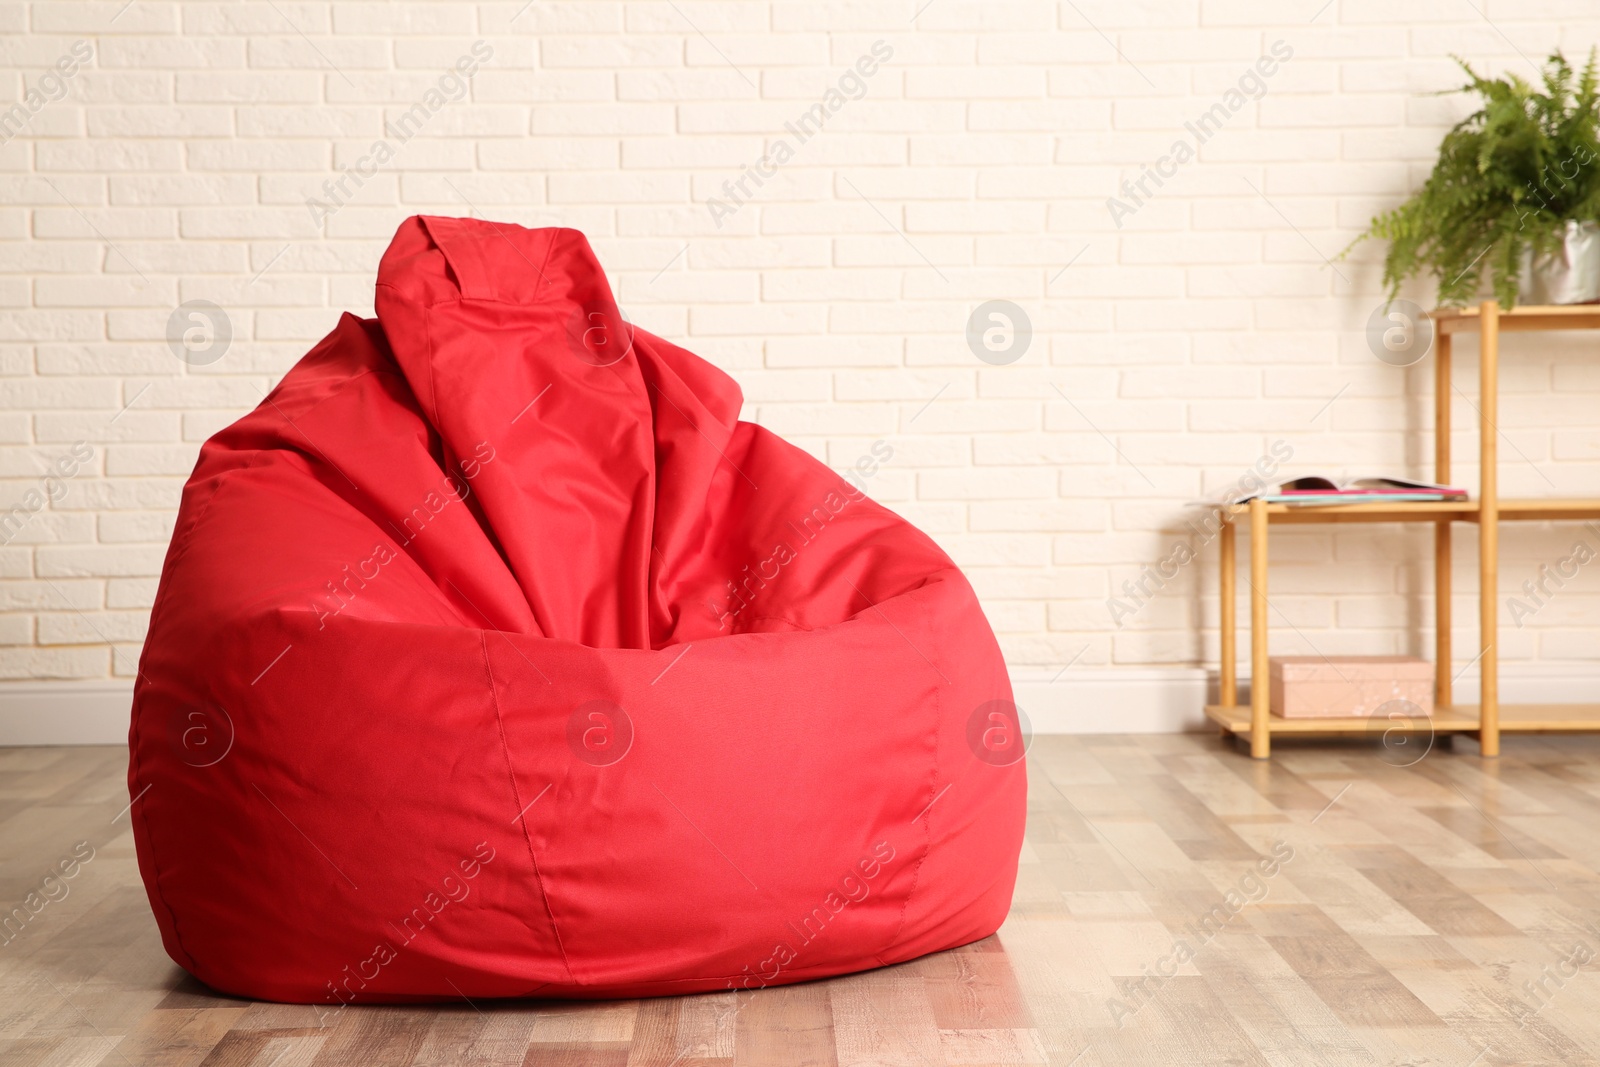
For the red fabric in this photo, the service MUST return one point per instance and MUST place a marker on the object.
(401, 591)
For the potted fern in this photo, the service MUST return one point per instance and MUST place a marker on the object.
(1513, 204)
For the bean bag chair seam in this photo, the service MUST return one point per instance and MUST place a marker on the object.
(176, 552)
(433, 377)
(773, 618)
(451, 301)
(511, 775)
(136, 763)
(465, 261)
(927, 823)
(155, 864)
(471, 285)
(348, 383)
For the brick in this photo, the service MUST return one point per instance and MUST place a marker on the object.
(242, 223)
(607, 188)
(986, 485)
(612, 52)
(589, 120)
(130, 593)
(512, 17)
(339, 53)
(131, 425)
(59, 393)
(111, 155)
(1342, 111)
(403, 19)
(79, 561)
(65, 594)
(674, 85)
(829, 418)
(80, 189)
(1038, 115)
(257, 156)
(320, 122)
(135, 527)
(810, 285)
(993, 149)
(134, 459)
(262, 87)
(95, 292)
(49, 528)
(494, 53)
(91, 494)
(477, 121)
(38, 663)
(169, 53)
(982, 83)
(73, 628)
(250, 18)
(836, 350)
(576, 153)
(524, 87)
(101, 17)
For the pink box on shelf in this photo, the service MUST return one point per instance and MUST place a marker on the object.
(1308, 687)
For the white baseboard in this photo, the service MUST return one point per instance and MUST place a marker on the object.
(53, 712)
(1112, 700)
(1159, 700)
(1081, 700)
(1529, 683)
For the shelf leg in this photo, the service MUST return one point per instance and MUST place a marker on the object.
(1489, 532)
(1260, 686)
(1228, 672)
(1443, 665)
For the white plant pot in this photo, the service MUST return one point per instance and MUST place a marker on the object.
(1569, 275)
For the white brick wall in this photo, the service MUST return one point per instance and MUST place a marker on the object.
(1166, 358)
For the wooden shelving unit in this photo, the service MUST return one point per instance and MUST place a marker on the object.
(1488, 719)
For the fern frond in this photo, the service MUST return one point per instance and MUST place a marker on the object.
(1508, 178)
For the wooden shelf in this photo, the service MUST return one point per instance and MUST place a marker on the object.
(1451, 719)
(1527, 317)
(1485, 721)
(1401, 511)
(1546, 510)
(1534, 510)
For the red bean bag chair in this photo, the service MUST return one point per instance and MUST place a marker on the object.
(493, 656)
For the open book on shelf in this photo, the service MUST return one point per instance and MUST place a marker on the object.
(1322, 490)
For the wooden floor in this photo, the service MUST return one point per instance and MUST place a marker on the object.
(1410, 917)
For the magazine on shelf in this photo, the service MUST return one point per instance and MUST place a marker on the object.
(1322, 490)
